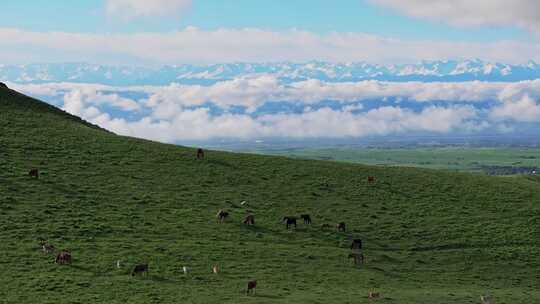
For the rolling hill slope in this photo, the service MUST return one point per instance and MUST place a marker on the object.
(430, 236)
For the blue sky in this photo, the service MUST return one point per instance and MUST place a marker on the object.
(190, 31)
(161, 32)
(318, 16)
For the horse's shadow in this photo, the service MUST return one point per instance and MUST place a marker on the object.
(160, 279)
(255, 228)
(267, 296)
(90, 270)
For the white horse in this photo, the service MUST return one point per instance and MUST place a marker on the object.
(487, 300)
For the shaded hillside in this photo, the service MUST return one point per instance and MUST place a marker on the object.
(430, 237)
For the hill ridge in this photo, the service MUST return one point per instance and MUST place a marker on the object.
(15, 99)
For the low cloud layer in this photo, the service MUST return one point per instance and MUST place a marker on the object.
(245, 45)
(242, 108)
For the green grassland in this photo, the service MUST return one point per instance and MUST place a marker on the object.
(429, 236)
(496, 160)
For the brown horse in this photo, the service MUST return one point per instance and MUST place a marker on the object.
(251, 287)
(200, 153)
(374, 295)
(63, 257)
(341, 226)
(249, 219)
(371, 179)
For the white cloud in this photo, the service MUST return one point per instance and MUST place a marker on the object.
(523, 110)
(84, 101)
(245, 45)
(146, 8)
(520, 13)
(198, 124)
(326, 122)
(74, 104)
(180, 112)
(253, 92)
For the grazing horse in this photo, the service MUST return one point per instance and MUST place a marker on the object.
(289, 220)
(140, 269)
(222, 216)
(356, 244)
(63, 257)
(341, 226)
(306, 218)
(487, 300)
(358, 258)
(200, 153)
(371, 179)
(186, 270)
(251, 287)
(34, 173)
(47, 248)
(215, 269)
(374, 295)
(249, 219)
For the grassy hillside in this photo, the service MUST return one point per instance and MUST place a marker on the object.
(430, 237)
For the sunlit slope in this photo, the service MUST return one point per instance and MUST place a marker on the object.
(430, 236)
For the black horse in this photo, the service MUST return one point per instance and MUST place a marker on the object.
(140, 269)
(306, 218)
(290, 220)
(356, 244)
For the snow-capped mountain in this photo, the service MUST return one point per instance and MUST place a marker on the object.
(428, 71)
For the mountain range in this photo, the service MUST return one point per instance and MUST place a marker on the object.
(426, 71)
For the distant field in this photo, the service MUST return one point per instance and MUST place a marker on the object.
(496, 161)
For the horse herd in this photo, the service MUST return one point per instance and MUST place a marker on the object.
(64, 257)
(289, 221)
